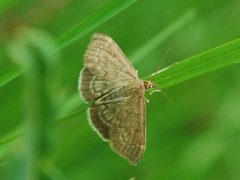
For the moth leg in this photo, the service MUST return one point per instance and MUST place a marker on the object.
(146, 100)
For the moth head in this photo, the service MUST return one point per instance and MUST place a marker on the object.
(148, 85)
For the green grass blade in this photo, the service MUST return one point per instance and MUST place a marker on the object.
(8, 141)
(163, 35)
(73, 115)
(71, 104)
(203, 63)
(9, 76)
(92, 21)
(10, 138)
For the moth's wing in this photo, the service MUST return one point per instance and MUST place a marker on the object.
(106, 60)
(105, 99)
(105, 68)
(127, 133)
(92, 86)
(101, 117)
(103, 111)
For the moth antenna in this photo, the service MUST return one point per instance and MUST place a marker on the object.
(167, 97)
(163, 59)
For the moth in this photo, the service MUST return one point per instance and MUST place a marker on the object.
(111, 86)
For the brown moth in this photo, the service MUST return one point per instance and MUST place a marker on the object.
(110, 84)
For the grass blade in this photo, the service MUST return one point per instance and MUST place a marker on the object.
(10, 138)
(92, 21)
(9, 76)
(213, 59)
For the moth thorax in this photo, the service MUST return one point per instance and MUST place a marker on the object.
(148, 85)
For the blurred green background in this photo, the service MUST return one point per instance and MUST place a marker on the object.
(195, 137)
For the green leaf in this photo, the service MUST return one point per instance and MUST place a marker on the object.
(203, 63)
(9, 76)
(92, 21)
